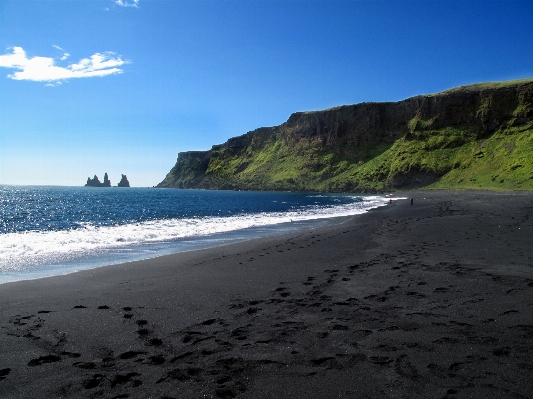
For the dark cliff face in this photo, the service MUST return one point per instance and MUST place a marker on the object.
(190, 168)
(347, 139)
(366, 122)
(480, 110)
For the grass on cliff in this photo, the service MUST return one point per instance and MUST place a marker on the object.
(275, 164)
(504, 161)
(485, 86)
(454, 156)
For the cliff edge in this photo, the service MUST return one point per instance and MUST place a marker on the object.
(478, 136)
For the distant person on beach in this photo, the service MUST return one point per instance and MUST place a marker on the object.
(390, 201)
(411, 200)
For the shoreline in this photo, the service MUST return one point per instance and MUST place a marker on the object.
(429, 300)
(37, 254)
(191, 244)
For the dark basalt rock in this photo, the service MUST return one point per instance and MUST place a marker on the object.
(95, 182)
(123, 182)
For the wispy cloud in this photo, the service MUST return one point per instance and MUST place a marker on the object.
(65, 54)
(126, 3)
(55, 84)
(44, 69)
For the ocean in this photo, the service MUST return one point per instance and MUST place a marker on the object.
(51, 230)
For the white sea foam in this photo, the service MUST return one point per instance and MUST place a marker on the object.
(20, 250)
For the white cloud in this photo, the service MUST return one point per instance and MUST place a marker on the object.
(126, 3)
(44, 69)
(55, 84)
(65, 54)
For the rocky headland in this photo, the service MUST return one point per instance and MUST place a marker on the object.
(478, 136)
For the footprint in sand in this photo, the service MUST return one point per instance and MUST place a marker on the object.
(240, 333)
(309, 280)
(405, 368)
(44, 360)
(94, 381)
(339, 327)
(123, 379)
(131, 354)
(505, 351)
(380, 360)
(282, 291)
(155, 342)
(415, 294)
(321, 360)
(156, 359)
(4, 373)
(85, 365)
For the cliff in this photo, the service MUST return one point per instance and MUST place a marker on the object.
(478, 136)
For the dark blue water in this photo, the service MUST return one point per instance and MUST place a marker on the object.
(53, 230)
(24, 208)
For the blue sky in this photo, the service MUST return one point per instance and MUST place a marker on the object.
(123, 86)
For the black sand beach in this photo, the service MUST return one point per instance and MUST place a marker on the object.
(430, 300)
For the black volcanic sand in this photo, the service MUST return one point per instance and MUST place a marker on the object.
(431, 300)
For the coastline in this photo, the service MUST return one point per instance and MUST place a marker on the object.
(94, 238)
(428, 300)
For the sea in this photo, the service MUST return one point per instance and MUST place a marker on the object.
(51, 230)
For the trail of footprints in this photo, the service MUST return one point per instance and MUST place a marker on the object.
(200, 350)
(218, 354)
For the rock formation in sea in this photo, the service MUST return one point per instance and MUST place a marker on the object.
(477, 136)
(123, 182)
(95, 182)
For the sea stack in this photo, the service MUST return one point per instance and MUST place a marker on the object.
(95, 182)
(123, 182)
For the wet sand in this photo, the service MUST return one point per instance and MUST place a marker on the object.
(430, 300)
